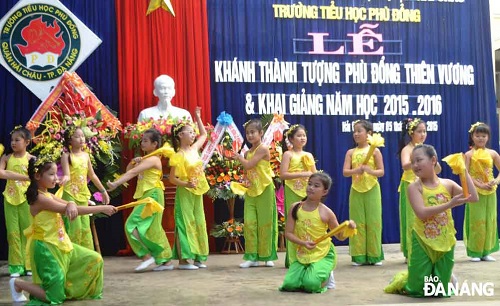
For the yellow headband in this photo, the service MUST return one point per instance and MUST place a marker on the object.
(17, 127)
(474, 126)
(413, 124)
(291, 129)
(246, 123)
(180, 126)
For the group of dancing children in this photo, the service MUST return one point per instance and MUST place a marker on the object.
(50, 238)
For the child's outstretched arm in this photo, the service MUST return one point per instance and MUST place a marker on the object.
(70, 209)
(97, 182)
(145, 164)
(203, 133)
(261, 153)
(10, 175)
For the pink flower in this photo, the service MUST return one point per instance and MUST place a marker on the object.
(98, 196)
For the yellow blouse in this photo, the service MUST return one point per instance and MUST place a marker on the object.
(301, 162)
(438, 231)
(481, 168)
(189, 167)
(48, 226)
(77, 185)
(259, 176)
(362, 182)
(147, 180)
(309, 227)
(15, 190)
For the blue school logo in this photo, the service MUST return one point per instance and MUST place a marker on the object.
(40, 42)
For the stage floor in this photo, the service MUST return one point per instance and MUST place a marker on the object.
(224, 283)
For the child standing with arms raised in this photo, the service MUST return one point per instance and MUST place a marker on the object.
(433, 231)
(296, 167)
(61, 270)
(480, 224)
(146, 235)
(307, 221)
(259, 213)
(77, 168)
(186, 172)
(365, 201)
(14, 168)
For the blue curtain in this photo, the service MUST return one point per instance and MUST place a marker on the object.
(99, 71)
(447, 33)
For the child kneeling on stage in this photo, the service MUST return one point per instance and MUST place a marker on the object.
(61, 270)
(307, 221)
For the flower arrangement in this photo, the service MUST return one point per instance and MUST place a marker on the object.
(221, 170)
(133, 132)
(275, 148)
(72, 110)
(230, 228)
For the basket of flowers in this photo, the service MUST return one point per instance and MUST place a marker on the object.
(229, 228)
(75, 107)
(221, 170)
(133, 132)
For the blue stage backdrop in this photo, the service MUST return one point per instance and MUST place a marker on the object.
(326, 64)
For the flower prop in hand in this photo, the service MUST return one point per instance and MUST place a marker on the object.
(457, 164)
(376, 140)
(230, 228)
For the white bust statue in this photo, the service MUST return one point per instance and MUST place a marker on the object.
(165, 91)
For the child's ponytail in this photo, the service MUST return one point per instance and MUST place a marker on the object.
(32, 191)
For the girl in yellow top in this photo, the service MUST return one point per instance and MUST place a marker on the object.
(433, 232)
(186, 172)
(61, 270)
(77, 169)
(14, 168)
(296, 167)
(480, 224)
(259, 213)
(307, 221)
(365, 202)
(146, 235)
(415, 130)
